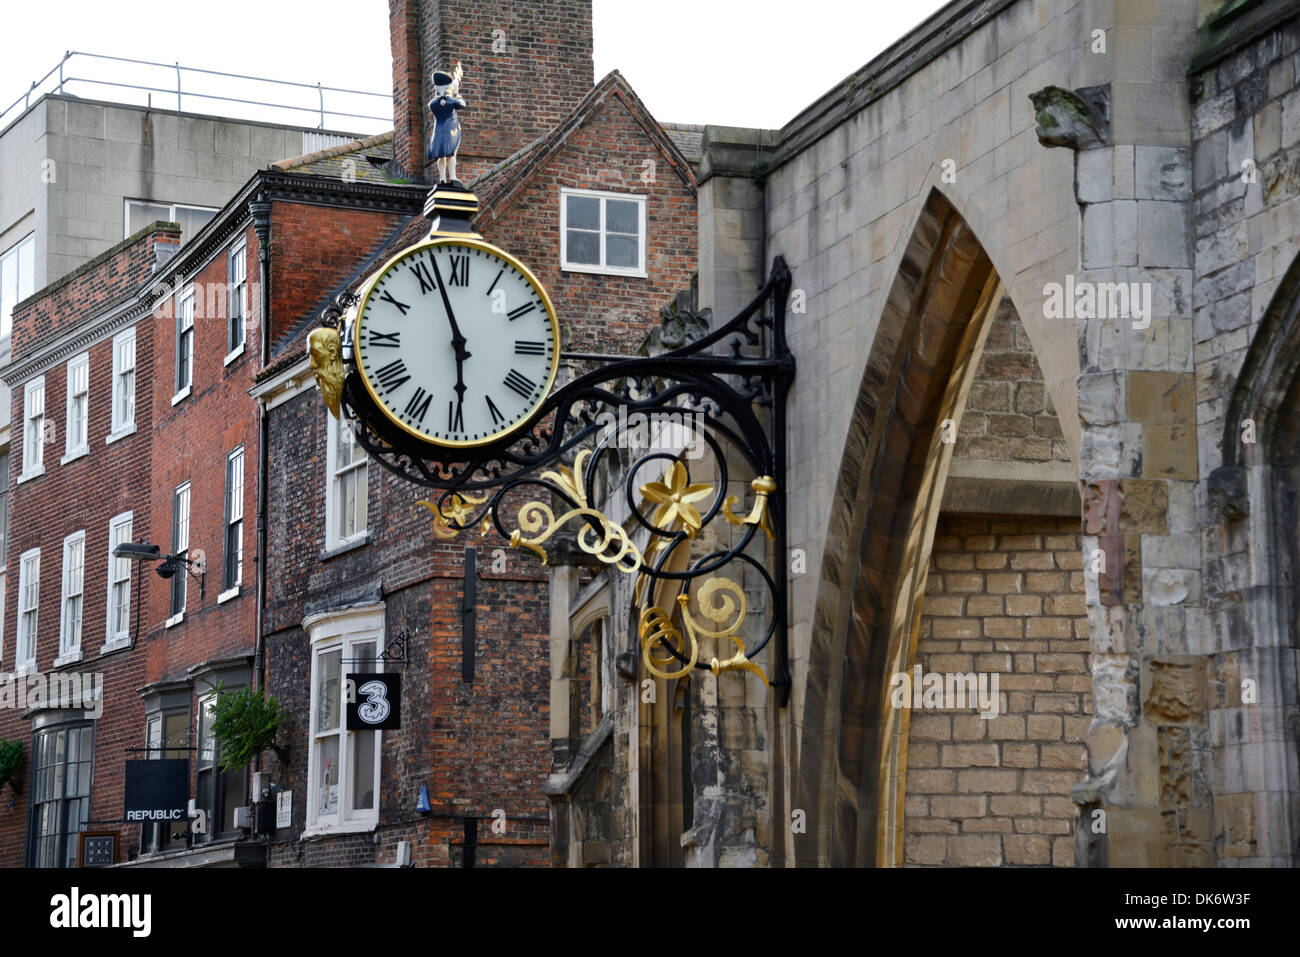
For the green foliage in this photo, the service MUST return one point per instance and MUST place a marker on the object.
(759, 171)
(244, 723)
(11, 762)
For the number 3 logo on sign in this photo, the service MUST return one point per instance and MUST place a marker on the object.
(376, 708)
(374, 702)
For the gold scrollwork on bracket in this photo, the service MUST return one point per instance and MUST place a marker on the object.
(763, 486)
(658, 634)
(721, 601)
(460, 505)
(599, 536)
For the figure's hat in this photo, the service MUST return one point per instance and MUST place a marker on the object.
(441, 79)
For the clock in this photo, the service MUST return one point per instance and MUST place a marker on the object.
(456, 342)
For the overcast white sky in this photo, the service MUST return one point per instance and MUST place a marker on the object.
(739, 62)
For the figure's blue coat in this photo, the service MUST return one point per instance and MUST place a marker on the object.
(445, 138)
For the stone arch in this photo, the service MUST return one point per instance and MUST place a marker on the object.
(1259, 480)
(1268, 375)
(889, 487)
(1256, 496)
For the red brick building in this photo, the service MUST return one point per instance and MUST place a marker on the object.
(79, 485)
(303, 561)
(131, 381)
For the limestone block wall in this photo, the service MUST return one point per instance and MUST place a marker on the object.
(1246, 232)
(844, 191)
(1004, 595)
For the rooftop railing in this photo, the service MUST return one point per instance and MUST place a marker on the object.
(271, 100)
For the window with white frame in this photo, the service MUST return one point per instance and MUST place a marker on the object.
(232, 569)
(141, 212)
(123, 384)
(180, 545)
(29, 590)
(33, 428)
(602, 232)
(118, 629)
(345, 507)
(77, 439)
(70, 604)
(343, 766)
(17, 278)
(237, 300)
(184, 346)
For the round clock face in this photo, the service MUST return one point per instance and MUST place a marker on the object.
(457, 342)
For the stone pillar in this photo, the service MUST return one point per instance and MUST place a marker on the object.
(1147, 800)
(732, 216)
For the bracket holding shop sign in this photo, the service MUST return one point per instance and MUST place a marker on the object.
(157, 790)
(374, 701)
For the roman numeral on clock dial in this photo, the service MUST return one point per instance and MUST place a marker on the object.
(421, 271)
(418, 407)
(387, 339)
(527, 347)
(403, 306)
(520, 383)
(392, 375)
(497, 417)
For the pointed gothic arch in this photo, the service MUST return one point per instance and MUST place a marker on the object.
(852, 747)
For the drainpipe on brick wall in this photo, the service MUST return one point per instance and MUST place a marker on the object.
(261, 211)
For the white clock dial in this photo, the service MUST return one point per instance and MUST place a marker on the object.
(457, 342)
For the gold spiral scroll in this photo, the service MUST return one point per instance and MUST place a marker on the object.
(721, 601)
(659, 633)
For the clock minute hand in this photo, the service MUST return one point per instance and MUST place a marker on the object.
(457, 340)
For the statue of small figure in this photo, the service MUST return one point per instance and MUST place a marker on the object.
(445, 138)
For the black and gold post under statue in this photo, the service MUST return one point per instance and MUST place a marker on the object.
(444, 363)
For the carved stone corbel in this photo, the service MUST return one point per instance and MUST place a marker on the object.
(1076, 119)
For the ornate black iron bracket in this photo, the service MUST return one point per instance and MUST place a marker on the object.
(396, 651)
(623, 434)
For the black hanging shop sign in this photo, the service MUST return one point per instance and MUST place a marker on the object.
(374, 702)
(157, 790)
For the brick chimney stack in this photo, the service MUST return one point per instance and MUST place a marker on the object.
(527, 64)
(408, 105)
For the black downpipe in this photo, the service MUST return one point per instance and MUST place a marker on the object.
(261, 212)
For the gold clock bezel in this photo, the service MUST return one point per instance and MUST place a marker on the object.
(524, 271)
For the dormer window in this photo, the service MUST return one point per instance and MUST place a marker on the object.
(602, 232)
